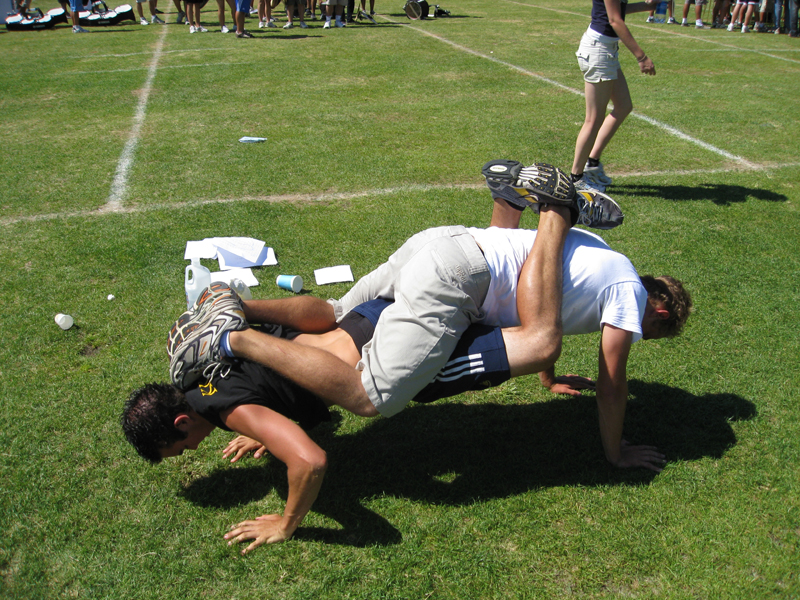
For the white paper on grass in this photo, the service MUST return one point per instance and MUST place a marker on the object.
(245, 275)
(248, 248)
(228, 260)
(333, 274)
(200, 249)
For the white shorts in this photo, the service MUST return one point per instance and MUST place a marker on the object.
(598, 59)
(438, 280)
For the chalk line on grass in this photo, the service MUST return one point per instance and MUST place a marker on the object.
(119, 186)
(344, 196)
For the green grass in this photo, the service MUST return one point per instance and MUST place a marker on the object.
(374, 133)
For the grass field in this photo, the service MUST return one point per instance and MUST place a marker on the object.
(121, 145)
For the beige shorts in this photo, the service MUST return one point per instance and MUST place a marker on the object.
(598, 60)
(438, 280)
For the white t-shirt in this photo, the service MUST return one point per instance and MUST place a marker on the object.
(600, 286)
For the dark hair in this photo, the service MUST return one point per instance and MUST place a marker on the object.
(675, 299)
(148, 419)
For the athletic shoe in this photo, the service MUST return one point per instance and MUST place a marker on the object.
(155, 19)
(699, 25)
(224, 29)
(671, 21)
(78, 29)
(181, 18)
(364, 15)
(597, 210)
(271, 24)
(201, 29)
(194, 340)
(730, 27)
(303, 25)
(288, 26)
(598, 174)
(308, 12)
(262, 24)
(745, 29)
(527, 186)
(253, 11)
(192, 29)
(327, 25)
(585, 184)
(777, 31)
(650, 20)
(143, 21)
(686, 24)
(245, 34)
(341, 24)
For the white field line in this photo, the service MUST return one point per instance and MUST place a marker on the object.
(119, 187)
(656, 123)
(658, 30)
(104, 56)
(225, 64)
(344, 196)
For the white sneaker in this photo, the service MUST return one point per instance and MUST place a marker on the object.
(201, 29)
(143, 21)
(192, 29)
(587, 184)
(303, 25)
(262, 24)
(327, 25)
(155, 19)
(730, 27)
(271, 24)
(78, 29)
(597, 174)
(650, 20)
(745, 29)
(253, 12)
(288, 26)
(224, 29)
(672, 21)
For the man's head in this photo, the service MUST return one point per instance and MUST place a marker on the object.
(158, 422)
(668, 307)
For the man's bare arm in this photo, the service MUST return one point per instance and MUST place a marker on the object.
(612, 397)
(305, 461)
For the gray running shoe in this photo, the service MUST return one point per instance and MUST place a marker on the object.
(193, 343)
(528, 186)
(597, 210)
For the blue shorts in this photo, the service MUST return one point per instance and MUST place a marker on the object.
(243, 6)
(478, 362)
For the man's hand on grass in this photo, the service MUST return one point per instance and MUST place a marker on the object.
(266, 529)
(241, 446)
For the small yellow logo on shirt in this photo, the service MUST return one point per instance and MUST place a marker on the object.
(207, 389)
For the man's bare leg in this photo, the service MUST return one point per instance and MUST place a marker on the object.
(504, 215)
(316, 370)
(535, 345)
(302, 313)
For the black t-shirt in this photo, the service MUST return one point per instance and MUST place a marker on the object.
(251, 383)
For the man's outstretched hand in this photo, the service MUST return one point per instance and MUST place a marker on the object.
(640, 456)
(266, 529)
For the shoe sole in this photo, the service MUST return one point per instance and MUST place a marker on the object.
(545, 184)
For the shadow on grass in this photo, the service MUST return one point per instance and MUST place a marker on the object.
(456, 454)
(718, 193)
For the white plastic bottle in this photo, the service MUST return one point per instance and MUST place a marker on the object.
(197, 279)
(661, 12)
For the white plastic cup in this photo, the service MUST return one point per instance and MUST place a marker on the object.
(240, 287)
(64, 321)
(293, 283)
